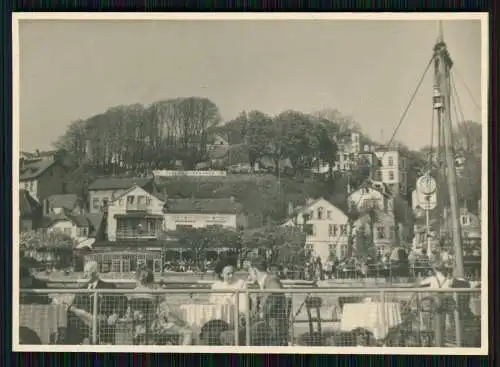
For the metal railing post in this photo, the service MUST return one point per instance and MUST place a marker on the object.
(237, 319)
(458, 321)
(247, 317)
(95, 303)
(383, 320)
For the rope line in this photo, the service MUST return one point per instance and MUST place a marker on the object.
(455, 72)
(400, 122)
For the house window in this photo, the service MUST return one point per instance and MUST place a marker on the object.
(465, 220)
(141, 200)
(380, 233)
(95, 203)
(151, 224)
(83, 232)
(105, 201)
(320, 213)
(328, 214)
(130, 200)
(120, 202)
(343, 251)
(343, 229)
(312, 229)
(391, 175)
(390, 161)
(332, 230)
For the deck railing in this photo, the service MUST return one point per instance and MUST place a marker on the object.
(403, 317)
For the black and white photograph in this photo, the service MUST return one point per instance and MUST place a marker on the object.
(286, 182)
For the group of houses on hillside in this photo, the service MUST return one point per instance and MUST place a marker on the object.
(131, 213)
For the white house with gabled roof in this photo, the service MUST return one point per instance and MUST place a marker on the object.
(327, 228)
(135, 215)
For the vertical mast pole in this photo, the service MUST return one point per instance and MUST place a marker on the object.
(445, 64)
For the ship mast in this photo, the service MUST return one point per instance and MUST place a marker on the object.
(442, 67)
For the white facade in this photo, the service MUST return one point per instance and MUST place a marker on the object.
(182, 220)
(135, 214)
(367, 197)
(329, 228)
(393, 170)
(98, 199)
(384, 231)
(69, 228)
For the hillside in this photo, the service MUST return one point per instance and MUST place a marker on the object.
(264, 198)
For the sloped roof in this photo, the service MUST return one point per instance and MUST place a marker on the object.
(66, 201)
(27, 205)
(117, 183)
(158, 196)
(203, 206)
(95, 220)
(81, 221)
(307, 207)
(34, 169)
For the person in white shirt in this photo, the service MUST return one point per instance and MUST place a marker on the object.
(224, 270)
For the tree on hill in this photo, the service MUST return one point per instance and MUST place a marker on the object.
(283, 245)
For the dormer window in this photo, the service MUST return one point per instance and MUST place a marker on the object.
(320, 213)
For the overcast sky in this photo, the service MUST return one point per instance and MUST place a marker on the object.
(365, 69)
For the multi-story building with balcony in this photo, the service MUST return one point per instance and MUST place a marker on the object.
(135, 215)
(105, 190)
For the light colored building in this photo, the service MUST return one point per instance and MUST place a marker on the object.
(41, 178)
(78, 227)
(327, 228)
(201, 213)
(392, 170)
(375, 196)
(104, 190)
(135, 215)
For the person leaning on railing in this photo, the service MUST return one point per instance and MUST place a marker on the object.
(81, 312)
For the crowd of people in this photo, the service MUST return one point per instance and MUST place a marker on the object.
(152, 319)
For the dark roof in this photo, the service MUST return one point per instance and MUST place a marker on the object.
(34, 169)
(117, 183)
(80, 220)
(67, 201)
(27, 205)
(95, 220)
(213, 206)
